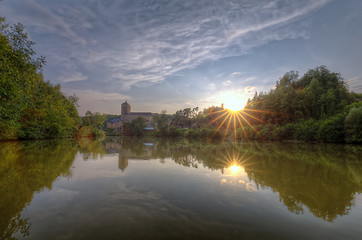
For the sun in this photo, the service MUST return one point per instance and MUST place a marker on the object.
(233, 114)
(235, 168)
(233, 101)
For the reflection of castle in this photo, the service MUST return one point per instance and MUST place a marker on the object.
(128, 116)
(125, 154)
(122, 163)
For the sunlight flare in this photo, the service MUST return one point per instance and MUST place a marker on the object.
(235, 168)
(233, 101)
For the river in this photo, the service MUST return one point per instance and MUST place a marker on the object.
(179, 189)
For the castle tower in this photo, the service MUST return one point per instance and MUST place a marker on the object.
(125, 108)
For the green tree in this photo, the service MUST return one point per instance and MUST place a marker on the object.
(161, 122)
(138, 126)
(30, 107)
(95, 120)
(353, 125)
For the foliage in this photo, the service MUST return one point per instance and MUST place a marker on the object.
(310, 108)
(161, 122)
(89, 132)
(127, 129)
(353, 125)
(317, 95)
(138, 126)
(92, 124)
(332, 129)
(95, 120)
(184, 118)
(29, 106)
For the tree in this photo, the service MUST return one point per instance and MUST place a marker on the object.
(185, 117)
(138, 126)
(30, 107)
(95, 120)
(161, 122)
(353, 125)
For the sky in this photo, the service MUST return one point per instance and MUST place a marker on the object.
(169, 55)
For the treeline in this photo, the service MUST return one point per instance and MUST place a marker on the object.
(30, 108)
(92, 125)
(315, 107)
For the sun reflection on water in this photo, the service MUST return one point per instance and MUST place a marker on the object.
(234, 172)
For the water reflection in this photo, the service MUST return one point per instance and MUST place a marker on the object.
(321, 179)
(26, 168)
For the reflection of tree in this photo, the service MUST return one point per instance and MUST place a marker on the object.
(314, 176)
(91, 148)
(323, 178)
(27, 167)
(16, 224)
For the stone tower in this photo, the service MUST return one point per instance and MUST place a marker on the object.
(125, 108)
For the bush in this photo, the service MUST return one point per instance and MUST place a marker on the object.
(353, 125)
(175, 132)
(306, 131)
(89, 132)
(332, 129)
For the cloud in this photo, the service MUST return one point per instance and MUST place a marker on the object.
(77, 76)
(235, 74)
(249, 90)
(249, 79)
(148, 42)
(355, 84)
(42, 19)
(227, 83)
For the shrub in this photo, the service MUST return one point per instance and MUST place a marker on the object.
(353, 125)
(332, 129)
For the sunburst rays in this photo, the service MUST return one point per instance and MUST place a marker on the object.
(232, 120)
(235, 162)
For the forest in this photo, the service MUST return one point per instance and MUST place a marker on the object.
(30, 107)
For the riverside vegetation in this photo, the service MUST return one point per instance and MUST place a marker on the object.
(31, 108)
(315, 107)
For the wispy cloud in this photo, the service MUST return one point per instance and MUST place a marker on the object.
(355, 84)
(76, 76)
(42, 19)
(235, 74)
(138, 42)
(183, 35)
(227, 82)
(249, 79)
(250, 90)
(116, 45)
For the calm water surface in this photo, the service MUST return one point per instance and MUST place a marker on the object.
(149, 189)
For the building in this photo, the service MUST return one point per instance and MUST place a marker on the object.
(115, 123)
(128, 116)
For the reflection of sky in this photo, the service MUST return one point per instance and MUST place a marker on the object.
(175, 54)
(237, 177)
(155, 201)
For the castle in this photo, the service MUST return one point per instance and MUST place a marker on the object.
(128, 116)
